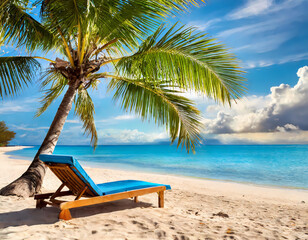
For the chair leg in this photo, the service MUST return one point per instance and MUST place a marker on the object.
(161, 199)
(65, 214)
(136, 199)
(40, 203)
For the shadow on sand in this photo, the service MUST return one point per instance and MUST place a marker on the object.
(49, 215)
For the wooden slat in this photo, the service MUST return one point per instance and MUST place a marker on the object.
(74, 184)
(47, 195)
(75, 181)
(59, 174)
(59, 167)
(89, 192)
(111, 197)
(66, 174)
(62, 174)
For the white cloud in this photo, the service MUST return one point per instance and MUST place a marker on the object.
(293, 58)
(73, 135)
(267, 43)
(282, 60)
(264, 36)
(287, 128)
(72, 121)
(251, 8)
(289, 137)
(267, 25)
(269, 32)
(284, 110)
(26, 128)
(25, 105)
(10, 107)
(262, 7)
(250, 28)
(258, 64)
(202, 26)
(129, 136)
(107, 120)
(196, 97)
(31, 135)
(116, 119)
(125, 117)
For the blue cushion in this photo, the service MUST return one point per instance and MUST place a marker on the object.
(103, 188)
(127, 185)
(71, 161)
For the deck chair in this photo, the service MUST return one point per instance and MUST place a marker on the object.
(74, 177)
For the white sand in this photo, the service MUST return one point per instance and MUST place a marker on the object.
(253, 212)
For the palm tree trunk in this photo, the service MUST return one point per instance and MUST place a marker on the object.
(31, 181)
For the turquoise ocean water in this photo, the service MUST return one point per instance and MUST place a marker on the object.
(276, 165)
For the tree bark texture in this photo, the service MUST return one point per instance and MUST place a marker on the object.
(31, 181)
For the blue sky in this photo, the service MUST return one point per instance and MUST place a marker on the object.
(269, 37)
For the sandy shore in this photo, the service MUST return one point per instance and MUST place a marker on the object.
(191, 210)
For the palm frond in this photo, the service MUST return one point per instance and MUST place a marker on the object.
(16, 73)
(131, 20)
(55, 84)
(189, 59)
(126, 20)
(84, 108)
(21, 28)
(67, 16)
(162, 104)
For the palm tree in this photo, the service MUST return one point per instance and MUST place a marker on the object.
(150, 69)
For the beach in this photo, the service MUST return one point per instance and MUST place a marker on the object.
(194, 209)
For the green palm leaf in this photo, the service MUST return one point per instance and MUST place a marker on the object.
(16, 73)
(53, 84)
(162, 104)
(21, 28)
(127, 21)
(84, 108)
(189, 59)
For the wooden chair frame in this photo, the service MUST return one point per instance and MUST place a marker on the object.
(42, 200)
